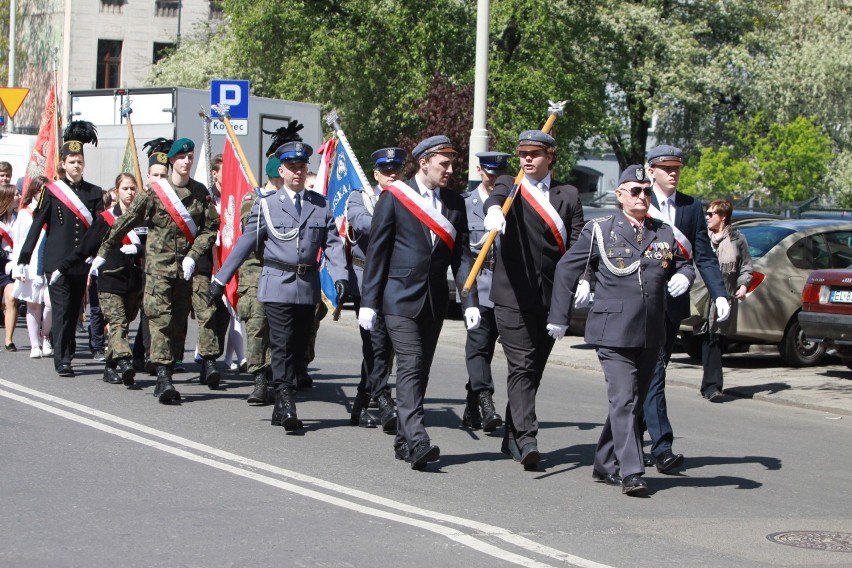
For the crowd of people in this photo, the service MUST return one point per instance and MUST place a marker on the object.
(148, 252)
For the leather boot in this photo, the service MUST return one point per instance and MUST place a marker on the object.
(211, 373)
(284, 413)
(490, 419)
(110, 376)
(258, 395)
(126, 371)
(472, 418)
(270, 387)
(360, 416)
(387, 412)
(165, 391)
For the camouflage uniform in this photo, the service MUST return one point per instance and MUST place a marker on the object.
(249, 308)
(120, 311)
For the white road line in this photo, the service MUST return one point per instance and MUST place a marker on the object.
(478, 527)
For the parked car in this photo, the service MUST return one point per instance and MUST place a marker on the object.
(785, 252)
(826, 314)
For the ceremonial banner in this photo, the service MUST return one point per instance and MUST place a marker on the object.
(127, 161)
(235, 185)
(202, 167)
(43, 159)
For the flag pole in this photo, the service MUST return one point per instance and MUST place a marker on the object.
(208, 148)
(225, 116)
(332, 119)
(137, 171)
(554, 110)
(57, 115)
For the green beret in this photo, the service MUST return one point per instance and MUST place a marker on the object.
(181, 146)
(272, 166)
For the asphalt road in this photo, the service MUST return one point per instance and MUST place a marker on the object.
(97, 475)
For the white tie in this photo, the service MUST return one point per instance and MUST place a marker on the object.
(667, 212)
(542, 187)
(426, 196)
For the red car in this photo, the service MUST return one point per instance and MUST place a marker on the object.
(827, 311)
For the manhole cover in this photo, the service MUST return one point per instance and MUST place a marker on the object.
(815, 540)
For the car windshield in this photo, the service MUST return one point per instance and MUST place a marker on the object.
(762, 238)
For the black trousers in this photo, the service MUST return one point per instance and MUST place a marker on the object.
(66, 298)
(713, 347)
(527, 346)
(376, 350)
(479, 351)
(414, 341)
(142, 341)
(289, 329)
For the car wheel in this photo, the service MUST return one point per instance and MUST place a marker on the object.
(691, 344)
(796, 350)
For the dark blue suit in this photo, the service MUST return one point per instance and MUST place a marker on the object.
(689, 218)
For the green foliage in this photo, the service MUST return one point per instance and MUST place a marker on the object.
(719, 174)
(839, 179)
(203, 55)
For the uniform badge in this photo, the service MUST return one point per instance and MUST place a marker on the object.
(75, 147)
(162, 158)
(620, 263)
(640, 174)
(390, 153)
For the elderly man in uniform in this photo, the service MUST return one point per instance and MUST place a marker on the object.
(291, 225)
(419, 229)
(685, 215)
(544, 221)
(66, 209)
(182, 225)
(632, 257)
(375, 343)
(479, 411)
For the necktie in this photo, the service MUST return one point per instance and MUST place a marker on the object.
(297, 201)
(429, 196)
(668, 212)
(542, 187)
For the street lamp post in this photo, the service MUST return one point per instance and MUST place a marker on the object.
(479, 133)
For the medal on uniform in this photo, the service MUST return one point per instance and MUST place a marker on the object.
(665, 264)
(620, 263)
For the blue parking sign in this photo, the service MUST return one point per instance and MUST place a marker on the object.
(234, 93)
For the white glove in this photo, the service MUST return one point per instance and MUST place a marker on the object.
(9, 267)
(583, 294)
(494, 219)
(38, 281)
(723, 309)
(188, 267)
(20, 272)
(54, 278)
(129, 249)
(678, 285)
(97, 263)
(472, 318)
(367, 318)
(556, 330)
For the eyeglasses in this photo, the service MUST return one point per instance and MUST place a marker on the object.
(636, 190)
(389, 169)
(711, 213)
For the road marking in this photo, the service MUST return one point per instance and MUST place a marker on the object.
(429, 525)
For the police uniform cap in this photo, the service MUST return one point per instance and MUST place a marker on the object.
(181, 146)
(665, 155)
(272, 165)
(388, 158)
(294, 152)
(535, 138)
(634, 173)
(433, 145)
(494, 162)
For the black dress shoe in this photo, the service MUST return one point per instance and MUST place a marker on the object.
(530, 455)
(65, 370)
(649, 460)
(608, 478)
(11, 347)
(363, 419)
(511, 449)
(633, 484)
(423, 453)
(668, 461)
(401, 452)
(715, 396)
(284, 412)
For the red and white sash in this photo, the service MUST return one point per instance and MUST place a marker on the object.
(131, 238)
(66, 195)
(6, 235)
(682, 242)
(545, 210)
(424, 211)
(176, 209)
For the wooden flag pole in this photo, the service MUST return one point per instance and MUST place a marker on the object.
(137, 171)
(225, 116)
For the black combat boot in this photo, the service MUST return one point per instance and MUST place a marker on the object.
(387, 412)
(126, 371)
(472, 418)
(261, 383)
(210, 373)
(165, 391)
(110, 375)
(360, 416)
(490, 419)
(270, 387)
(284, 413)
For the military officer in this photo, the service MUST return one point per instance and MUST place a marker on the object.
(479, 411)
(632, 257)
(66, 208)
(291, 225)
(182, 225)
(375, 343)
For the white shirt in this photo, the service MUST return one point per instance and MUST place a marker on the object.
(292, 194)
(667, 205)
(545, 188)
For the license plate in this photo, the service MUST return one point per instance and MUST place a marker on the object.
(841, 296)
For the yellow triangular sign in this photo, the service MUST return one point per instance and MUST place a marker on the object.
(12, 98)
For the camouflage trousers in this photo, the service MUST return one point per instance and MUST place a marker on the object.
(119, 311)
(255, 329)
(167, 303)
(212, 320)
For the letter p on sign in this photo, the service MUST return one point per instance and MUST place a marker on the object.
(233, 93)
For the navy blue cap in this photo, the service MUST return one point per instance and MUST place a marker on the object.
(272, 165)
(294, 152)
(388, 158)
(181, 146)
(434, 144)
(634, 173)
(535, 138)
(665, 155)
(494, 162)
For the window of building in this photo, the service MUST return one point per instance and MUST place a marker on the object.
(161, 50)
(166, 8)
(109, 64)
(112, 6)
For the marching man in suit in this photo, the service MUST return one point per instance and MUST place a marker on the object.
(419, 229)
(542, 224)
(632, 258)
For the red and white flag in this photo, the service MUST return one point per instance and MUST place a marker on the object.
(43, 159)
(235, 185)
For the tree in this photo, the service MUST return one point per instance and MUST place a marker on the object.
(203, 55)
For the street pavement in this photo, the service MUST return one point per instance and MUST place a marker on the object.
(99, 475)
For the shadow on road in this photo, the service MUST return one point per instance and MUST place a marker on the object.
(751, 390)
